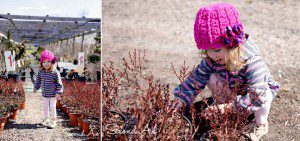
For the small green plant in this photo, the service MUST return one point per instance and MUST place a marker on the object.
(98, 39)
(39, 52)
(8, 43)
(94, 58)
(97, 50)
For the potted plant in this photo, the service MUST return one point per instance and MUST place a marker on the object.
(3, 115)
(94, 58)
(97, 50)
(72, 98)
(13, 104)
(20, 92)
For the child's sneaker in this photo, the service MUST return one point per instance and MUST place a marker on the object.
(52, 124)
(45, 121)
(258, 131)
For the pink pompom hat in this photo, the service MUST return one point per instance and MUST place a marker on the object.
(47, 55)
(218, 26)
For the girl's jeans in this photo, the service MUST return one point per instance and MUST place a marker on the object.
(49, 107)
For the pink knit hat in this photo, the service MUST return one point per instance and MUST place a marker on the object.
(213, 22)
(47, 55)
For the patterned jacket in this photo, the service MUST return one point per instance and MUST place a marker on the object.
(255, 76)
(50, 82)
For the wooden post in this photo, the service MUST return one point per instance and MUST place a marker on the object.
(60, 44)
(82, 39)
(67, 43)
(73, 46)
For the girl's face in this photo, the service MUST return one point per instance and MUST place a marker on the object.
(218, 55)
(47, 64)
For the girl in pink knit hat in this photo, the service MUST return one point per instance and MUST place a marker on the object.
(232, 60)
(49, 80)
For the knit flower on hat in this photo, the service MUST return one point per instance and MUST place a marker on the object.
(233, 37)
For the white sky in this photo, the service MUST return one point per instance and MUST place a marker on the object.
(59, 8)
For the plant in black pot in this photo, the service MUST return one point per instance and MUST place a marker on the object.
(15, 77)
(3, 109)
(23, 74)
(75, 61)
(94, 58)
(3, 115)
(97, 50)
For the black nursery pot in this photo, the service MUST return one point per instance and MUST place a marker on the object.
(188, 121)
(16, 77)
(23, 78)
(81, 78)
(98, 75)
(118, 123)
(118, 113)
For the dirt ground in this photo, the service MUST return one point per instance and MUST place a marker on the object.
(165, 30)
(28, 125)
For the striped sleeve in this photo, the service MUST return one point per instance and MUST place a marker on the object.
(59, 85)
(195, 83)
(37, 84)
(255, 98)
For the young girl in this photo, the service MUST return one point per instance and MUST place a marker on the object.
(49, 80)
(230, 58)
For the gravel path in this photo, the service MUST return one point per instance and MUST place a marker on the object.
(28, 123)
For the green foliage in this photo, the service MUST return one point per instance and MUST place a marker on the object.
(8, 43)
(21, 51)
(27, 63)
(97, 50)
(39, 52)
(98, 39)
(94, 58)
(98, 45)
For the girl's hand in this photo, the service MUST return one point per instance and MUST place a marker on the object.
(221, 108)
(57, 96)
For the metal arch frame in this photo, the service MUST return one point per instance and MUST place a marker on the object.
(46, 29)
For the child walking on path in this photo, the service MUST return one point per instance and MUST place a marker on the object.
(229, 57)
(49, 80)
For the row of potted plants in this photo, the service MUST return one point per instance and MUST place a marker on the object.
(81, 102)
(12, 98)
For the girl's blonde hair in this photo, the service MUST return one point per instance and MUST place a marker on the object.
(233, 60)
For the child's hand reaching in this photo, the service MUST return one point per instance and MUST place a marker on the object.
(57, 96)
(221, 108)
